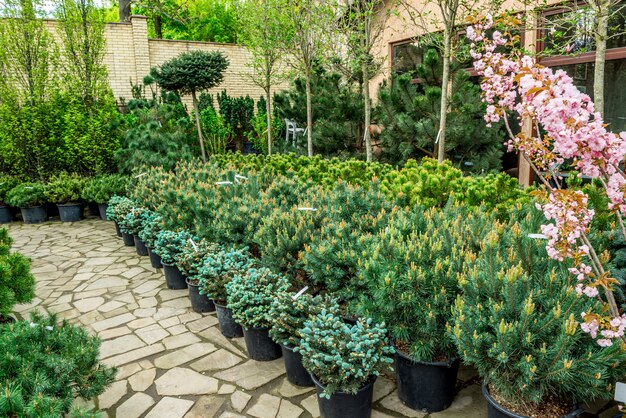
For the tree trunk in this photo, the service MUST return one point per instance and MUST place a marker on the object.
(124, 7)
(268, 110)
(200, 138)
(367, 139)
(309, 117)
(445, 81)
(158, 26)
(600, 61)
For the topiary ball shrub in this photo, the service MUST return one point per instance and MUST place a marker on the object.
(119, 207)
(219, 268)
(46, 365)
(27, 195)
(65, 188)
(169, 245)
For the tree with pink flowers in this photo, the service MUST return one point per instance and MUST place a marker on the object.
(567, 129)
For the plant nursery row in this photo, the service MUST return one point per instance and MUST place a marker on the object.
(347, 280)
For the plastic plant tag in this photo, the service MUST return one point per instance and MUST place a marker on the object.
(28, 187)
(307, 209)
(239, 177)
(221, 183)
(140, 175)
(193, 244)
(49, 327)
(300, 293)
(620, 392)
(537, 236)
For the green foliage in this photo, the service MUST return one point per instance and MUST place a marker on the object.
(343, 357)
(17, 284)
(27, 195)
(258, 131)
(118, 208)
(101, 189)
(6, 184)
(337, 111)
(251, 294)
(133, 221)
(237, 113)
(517, 322)
(288, 315)
(191, 72)
(410, 115)
(219, 268)
(46, 365)
(410, 271)
(169, 245)
(65, 188)
(152, 225)
(156, 136)
(193, 256)
(215, 131)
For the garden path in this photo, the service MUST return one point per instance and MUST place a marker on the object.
(172, 362)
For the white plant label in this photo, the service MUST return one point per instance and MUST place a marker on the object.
(239, 177)
(195, 247)
(1, 183)
(49, 327)
(300, 293)
(221, 183)
(620, 392)
(28, 187)
(140, 175)
(537, 236)
(308, 209)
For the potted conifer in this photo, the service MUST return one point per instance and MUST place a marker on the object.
(288, 313)
(101, 189)
(152, 225)
(218, 269)
(6, 184)
(30, 198)
(17, 284)
(65, 191)
(250, 297)
(118, 207)
(133, 223)
(169, 245)
(344, 361)
(189, 262)
(517, 323)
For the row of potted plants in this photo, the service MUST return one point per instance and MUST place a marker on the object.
(381, 264)
(67, 192)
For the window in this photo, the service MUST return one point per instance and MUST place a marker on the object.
(406, 56)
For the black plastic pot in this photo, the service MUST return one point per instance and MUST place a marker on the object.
(426, 386)
(155, 259)
(259, 344)
(228, 326)
(118, 231)
(346, 405)
(129, 241)
(199, 303)
(34, 215)
(495, 410)
(248, 148)
(102, 208)
(70, 212)
(296, 373)
(140, 247)
(93, 208)
(174, 278)
(6, 216)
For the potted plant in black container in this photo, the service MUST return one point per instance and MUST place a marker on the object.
(250, 296)
(6, 184)
(133, 222)
(344, 362)
(101, 189)
(65, 191)
(190, 262)
(118, 207)
(218, 269)
(152, 225)
(517, 323)
(288, 313)
(169, 245)
(30, 198)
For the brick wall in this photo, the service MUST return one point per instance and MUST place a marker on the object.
(130, 55)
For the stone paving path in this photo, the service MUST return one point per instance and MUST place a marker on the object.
(172, 362)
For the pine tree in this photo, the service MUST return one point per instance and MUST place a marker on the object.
(410, 115)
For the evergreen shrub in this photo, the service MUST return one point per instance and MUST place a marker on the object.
(7, 183)
(65, 188)
(101, 189)
(219, 268)
(17, 284)
(169, 245)
(26, 195)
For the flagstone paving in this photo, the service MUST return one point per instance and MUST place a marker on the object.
(172, 362)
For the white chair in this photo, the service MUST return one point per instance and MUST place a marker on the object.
(291, 128)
